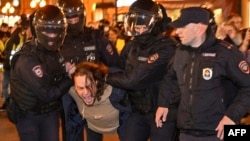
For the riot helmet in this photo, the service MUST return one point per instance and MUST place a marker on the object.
(75, 13)
(142, 17)
(50, 27)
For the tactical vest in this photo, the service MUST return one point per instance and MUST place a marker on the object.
(25, 99)
(83, 48)
(143, 101)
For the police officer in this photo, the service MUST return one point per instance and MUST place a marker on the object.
(145, 59)
(200, 67)
(81, 44)
(39, 78)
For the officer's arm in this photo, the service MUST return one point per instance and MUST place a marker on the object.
(169, 87)
(144, 74)
(107, 52)
(238, 71)
(34, 76)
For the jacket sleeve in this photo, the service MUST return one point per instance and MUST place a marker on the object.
(237, 70)
(169, 91)
(107, 52)
(144, 74)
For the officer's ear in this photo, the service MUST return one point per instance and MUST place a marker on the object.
(200, 28)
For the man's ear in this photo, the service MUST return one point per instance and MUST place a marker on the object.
(200, 28)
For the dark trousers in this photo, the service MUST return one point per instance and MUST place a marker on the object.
(141, 127)
(38, 127)
(72, 122)
(188, 137)
(93, 136)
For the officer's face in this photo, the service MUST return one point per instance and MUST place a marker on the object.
(85, 89)
(73, 20)
(141, 29)
(50, 35)
(192, 34)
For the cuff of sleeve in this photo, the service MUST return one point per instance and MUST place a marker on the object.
(233, 117)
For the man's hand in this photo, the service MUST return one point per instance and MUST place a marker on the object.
(220, 128)
(161, 116)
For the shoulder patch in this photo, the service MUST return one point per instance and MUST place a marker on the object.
(226, 44)
(244, 67)
(37, 70)
(109, 49)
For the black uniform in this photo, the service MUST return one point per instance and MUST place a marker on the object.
(144, 67)
(38, 81)
(39, 78)
(201, 73)
(89, 45)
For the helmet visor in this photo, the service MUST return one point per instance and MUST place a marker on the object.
(51, 37)
(136, 23)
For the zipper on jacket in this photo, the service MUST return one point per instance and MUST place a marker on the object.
(191, 83)
(185, 74)
(191, 76)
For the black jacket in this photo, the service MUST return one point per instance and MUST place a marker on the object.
(89, 46)
(201, 74)
(38, 77)
(144, 66)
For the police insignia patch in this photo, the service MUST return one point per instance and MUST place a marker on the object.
(153, 58)
(109, 49)
(207, 73)
(38, 71)
(244, 67)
